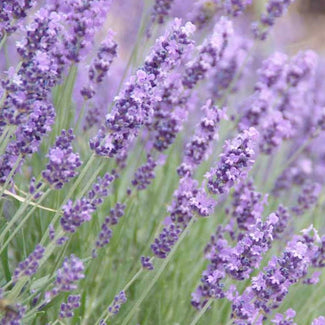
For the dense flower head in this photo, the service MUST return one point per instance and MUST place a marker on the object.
(272, 70)
(80, 211)
(271, 286)
(30, 265)
(212, 280)
(63, 162)
(67, 308)
(209, 53)
(83, 18)
(39, 70)
(165, 241)
(301, 67)
(235, 161)
(247, 254)
(247, 205)
(67, 276)
(12, 13)
(134, 105)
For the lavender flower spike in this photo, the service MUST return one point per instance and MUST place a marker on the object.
(30, 265)
(134, 105)
(236, 160)
(274, 9)
(63, 161)
(66, 309)
(210, 53)
(72, 271)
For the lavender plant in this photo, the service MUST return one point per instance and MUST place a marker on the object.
(161, 162)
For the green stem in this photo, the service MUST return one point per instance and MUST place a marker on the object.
(157, 275)
(17, 215)
(202, 311)
(3, 40)
(5, 137)
(21, 223)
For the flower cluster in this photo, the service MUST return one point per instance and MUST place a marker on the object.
(12, 13)
(63, 162)
(210, 52)
(119, 300)
(76, 213)
(105, 234)
(269, 287)
(274, 9)
(30, 265)
(237, 262)
(133, 106)
(98, 69)
(235, 161)
(66, 309)
(72, 271)
(197, 149)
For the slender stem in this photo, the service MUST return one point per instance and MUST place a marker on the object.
(157, 275)
(81, 114)
(17, 215)
(21, 223)
(5, 137)
(23, 199)
(202, 311)
(105, 318)
(3, 40)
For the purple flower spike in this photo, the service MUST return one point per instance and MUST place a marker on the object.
(101, 64)
(106, 232)
(30, 265)
(72, 271)
(161, 10)
(197, 149)
(144, 174)
(76, 213)
(146, 264)
(270, 287)
(63, 161)
(12, 13)
(210, 53)
(66, 309)
(133, 107)
(236, 160)
(119, 300)
(274, 10)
